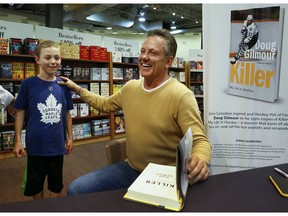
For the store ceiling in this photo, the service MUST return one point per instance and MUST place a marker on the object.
(123, 18)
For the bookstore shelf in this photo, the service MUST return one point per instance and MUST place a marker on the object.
(91, 118)
(115, 122)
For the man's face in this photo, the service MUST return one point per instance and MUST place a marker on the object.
(249, 22)
(152, 59)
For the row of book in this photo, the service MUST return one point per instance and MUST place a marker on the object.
(97, 127)
(18, 46)
(178, 62)
(125, 73)
(84, 73)
(7, 139)
(196, 65)
(197, 90)
(180, 76)
(196, 77)
(17, 70)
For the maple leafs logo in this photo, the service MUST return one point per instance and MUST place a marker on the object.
(51, 112)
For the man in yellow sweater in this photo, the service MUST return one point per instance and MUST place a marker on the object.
(158, 111)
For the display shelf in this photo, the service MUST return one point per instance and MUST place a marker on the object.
(76, 120)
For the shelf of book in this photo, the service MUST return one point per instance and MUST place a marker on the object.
(195, 82)
(98, 79)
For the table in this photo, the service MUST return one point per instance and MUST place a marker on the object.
(242, 191)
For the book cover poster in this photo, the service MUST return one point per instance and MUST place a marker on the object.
(255, 53)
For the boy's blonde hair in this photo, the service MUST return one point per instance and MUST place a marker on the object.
(45, 44)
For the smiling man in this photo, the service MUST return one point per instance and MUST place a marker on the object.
(158, 112)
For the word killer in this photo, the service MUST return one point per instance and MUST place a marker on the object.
(245, 73)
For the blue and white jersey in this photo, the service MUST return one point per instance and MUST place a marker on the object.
(45, 104)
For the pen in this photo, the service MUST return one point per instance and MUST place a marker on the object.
(281, 172)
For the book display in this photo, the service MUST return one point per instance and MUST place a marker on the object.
(162, 185)
(195, 79)
(89, 124)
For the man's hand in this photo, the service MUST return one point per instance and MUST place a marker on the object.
(70, 84)
(197, 170)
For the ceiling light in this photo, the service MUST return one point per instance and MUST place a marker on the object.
(141, 16)
(142, 19)
(173, 26)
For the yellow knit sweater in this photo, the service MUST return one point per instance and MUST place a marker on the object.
(155, 121)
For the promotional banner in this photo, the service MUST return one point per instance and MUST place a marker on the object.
(121, 46)
(15, 30)
(64, 36)
(245, 88)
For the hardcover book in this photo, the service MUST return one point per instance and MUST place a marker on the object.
(16, 46)
(96, 127)
(30, 69)
(6, 70)
(77, 72)
(255, 53)
(7, 140)
(3, 116)
(29, 45)
(164, 186)
(106, 126)
(4, 45)
(104, 89)
(95, 73)
(85, 73)
(17, 70)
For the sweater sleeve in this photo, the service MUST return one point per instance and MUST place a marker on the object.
(5, 97)
(191, 118)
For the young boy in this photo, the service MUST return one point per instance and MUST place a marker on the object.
(44, 107)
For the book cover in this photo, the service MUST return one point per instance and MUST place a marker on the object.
(74, 111)
(85, 73)
(17, 70)
(119, 124)
(95, 73)
(4, 45)
(30, 69)
(84, 52)
(94, 87)
(83, 109)
(105, 74)
(3, 116)
(67, 71)
(255, 53)
(29, 45)
(6, 70)
(75, 51)
(7, 140)
(77, 72)
(104, 89)
(96, 127)
(164, 186)
(16, 46)
(106, 126)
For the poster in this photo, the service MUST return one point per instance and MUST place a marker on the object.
(246, 131)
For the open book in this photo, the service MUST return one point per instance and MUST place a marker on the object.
(162, 185)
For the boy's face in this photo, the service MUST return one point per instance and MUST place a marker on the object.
(49, 60)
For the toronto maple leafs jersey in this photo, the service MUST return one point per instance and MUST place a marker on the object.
(45, 104)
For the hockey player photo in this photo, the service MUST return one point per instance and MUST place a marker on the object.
(250, 33)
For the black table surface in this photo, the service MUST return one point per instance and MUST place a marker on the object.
(242, 191)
